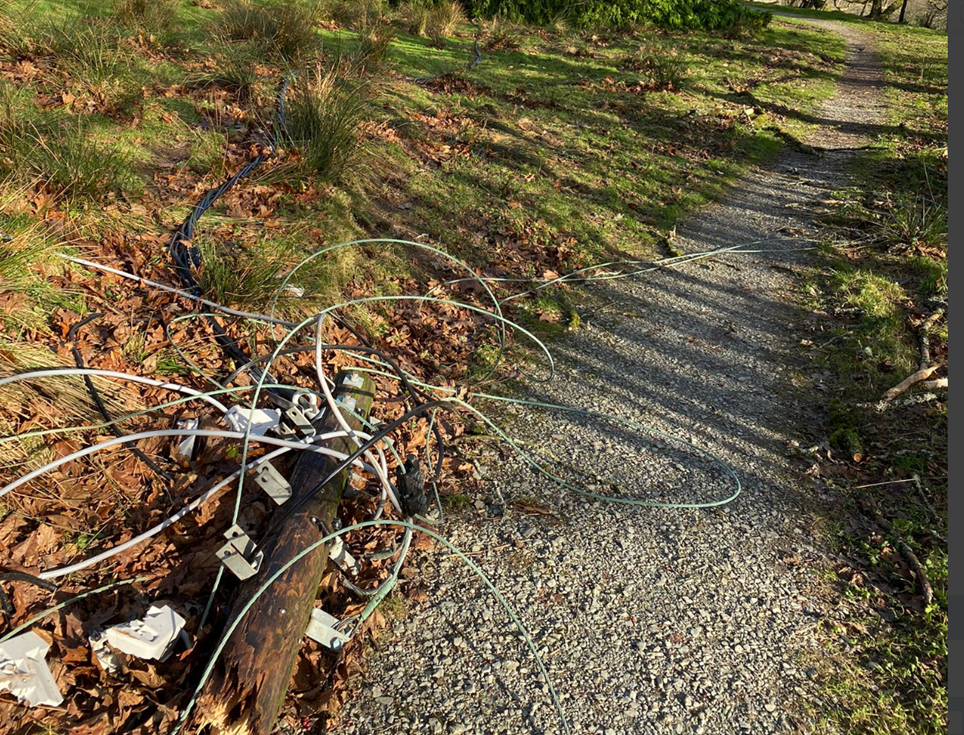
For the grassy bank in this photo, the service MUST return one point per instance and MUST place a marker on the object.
(881, 284)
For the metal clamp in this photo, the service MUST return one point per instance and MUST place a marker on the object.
(355, 381)
(295, 418)
(340, 556)
(323, 629)
(308, 404)
(240, 554)
(272, 482)
(185, 450)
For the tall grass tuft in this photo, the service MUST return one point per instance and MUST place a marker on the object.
(324, 110)
(19, 251)
(248, 276)
(373, 47)
(151, 19)
(232, 67)
(358, 15)
(501, 35)
(283, 30)
(447, 17)
(244, 277)
(432, 20)
(914, 220)
(664, 69)
(92, 55)
(58, 154)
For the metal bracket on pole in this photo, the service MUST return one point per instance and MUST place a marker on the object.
(185, 450)
(240, 554)
(352, 381)
(296, 419)
(272, 482)
(340, 556)
(322, 628)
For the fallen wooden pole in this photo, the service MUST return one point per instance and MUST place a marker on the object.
(247, 686)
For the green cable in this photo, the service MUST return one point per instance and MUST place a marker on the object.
(408, 243)
(182, 720)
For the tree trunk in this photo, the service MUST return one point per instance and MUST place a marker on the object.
(903, 10)
(247, 686)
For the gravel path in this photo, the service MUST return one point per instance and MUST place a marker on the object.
(649, 620)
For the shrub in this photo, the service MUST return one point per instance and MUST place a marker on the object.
(283, 30)
(323, 112)
(710, 15)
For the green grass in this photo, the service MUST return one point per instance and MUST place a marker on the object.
(283, 30)
(886, 270)
(547, 159)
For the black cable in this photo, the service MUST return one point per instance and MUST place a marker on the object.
(20, 577)
(188, 257)
(364, 447)
(98, 401)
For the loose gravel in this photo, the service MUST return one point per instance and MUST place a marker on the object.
(648, 620)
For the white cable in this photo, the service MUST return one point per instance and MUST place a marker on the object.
(113, 374)
(343, 422)
(189, 432)
(189, 508)
(176, 291)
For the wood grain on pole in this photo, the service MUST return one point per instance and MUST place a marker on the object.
(247, 686)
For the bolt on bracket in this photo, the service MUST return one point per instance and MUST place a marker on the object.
(322, 628)
(240, 554)
(185, 450)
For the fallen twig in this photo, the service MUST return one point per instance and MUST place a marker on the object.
(934, 384)
(905, 549)
(917, 377)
